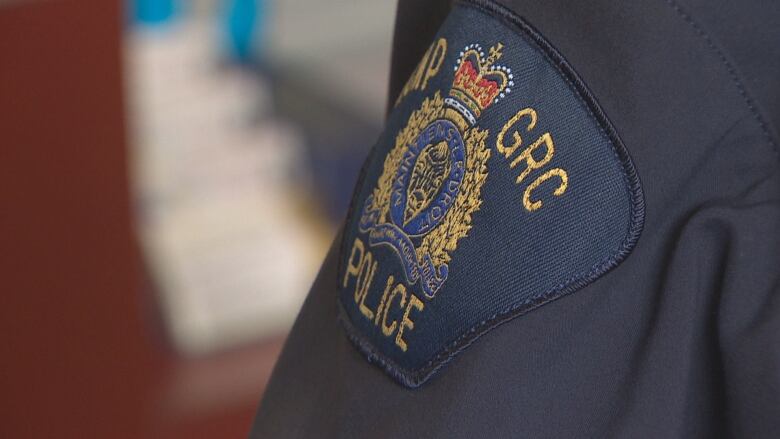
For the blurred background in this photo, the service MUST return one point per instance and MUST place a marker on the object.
(172, 174)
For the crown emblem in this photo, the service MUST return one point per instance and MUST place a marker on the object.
(478, 82)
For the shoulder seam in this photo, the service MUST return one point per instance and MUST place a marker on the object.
(732, 71)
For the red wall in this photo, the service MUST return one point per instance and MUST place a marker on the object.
(74, 353)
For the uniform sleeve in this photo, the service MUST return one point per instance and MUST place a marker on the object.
(748, 323)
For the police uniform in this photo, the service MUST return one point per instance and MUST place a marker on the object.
(569, 228)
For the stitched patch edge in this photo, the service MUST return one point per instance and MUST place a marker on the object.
(416, 377)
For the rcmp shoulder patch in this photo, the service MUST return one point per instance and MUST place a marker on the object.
(497, 186)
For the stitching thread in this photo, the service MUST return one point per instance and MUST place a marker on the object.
(414, 378)
(731, 71)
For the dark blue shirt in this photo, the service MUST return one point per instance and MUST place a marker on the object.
(589, 247)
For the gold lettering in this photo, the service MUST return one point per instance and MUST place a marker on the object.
(436, 58)
(382, 301)
(516, 139)
(528, 158)
(414, 80)
(557, 172)
(532, 163)
(418, 71)
(361, 290)
(352, 266)
(399, 289)
(426, 69)
(407, 322)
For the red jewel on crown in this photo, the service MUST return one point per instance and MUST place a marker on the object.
(478, 83)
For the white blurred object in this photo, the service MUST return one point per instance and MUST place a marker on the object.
(219, 220)
(341, 48)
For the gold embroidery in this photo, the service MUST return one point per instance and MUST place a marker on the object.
(558, 172)
(390, 281)
(528, 157)
(457, 222)
(367, 280)
(457, 118)
(472, 74)
(353, 269)
(430, 110)
(364, 276)
(437, 58)
(426, 69)
(406, 322)
(516, 139)
(399, 289)
(363, 272)
(427, 177)
(450, 171)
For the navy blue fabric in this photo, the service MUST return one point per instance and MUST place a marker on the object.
(512, 259)
(682, 339)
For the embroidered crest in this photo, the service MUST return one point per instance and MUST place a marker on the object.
(432, 178)
(498, 186)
